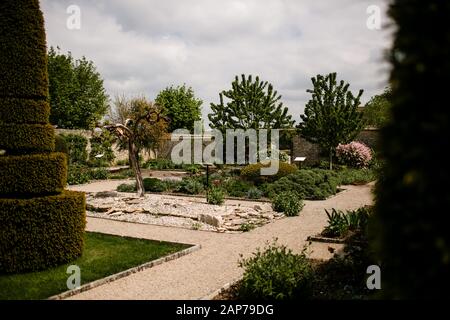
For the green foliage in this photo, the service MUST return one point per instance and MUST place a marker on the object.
(315, 184)
(126, 187)
(53, 230)
(253, 104)
(154, 185)
(36, 174)
(181, 106)
(190, 186)
(99, 174)
(377, 112)
(331, 116)
(246, 227)
(77, 96)
(254, 193)
(123, 162)
(236, 187)
(252, 172)
(340, 223)
(77, 145)
(20, 111)
(26, 138)
(356, 176)
(160, 164)
(61, 145)
(413, 239)
(23, 61)
(78, 174)
(101, 144)
(276, 274)
(215, 196)
(288, 202)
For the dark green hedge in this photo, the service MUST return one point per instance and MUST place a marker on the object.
(23, 53)
(36, 174)
(13, 110)
(40, 233)
(23, 138)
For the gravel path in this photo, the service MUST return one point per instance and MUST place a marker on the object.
(198, 274)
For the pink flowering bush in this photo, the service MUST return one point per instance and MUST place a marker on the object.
(355, 154)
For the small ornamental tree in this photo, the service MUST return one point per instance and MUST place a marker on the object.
(41, 224)
(331, 116)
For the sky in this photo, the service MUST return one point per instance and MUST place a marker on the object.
(142, 46)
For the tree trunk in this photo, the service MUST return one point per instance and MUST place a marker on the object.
(331, 159)
(135, 166)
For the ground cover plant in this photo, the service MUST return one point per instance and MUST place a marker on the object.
(341, 224)
(103, 255)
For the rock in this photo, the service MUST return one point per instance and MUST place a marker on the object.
(134, 201)
(221, 230)
(92, 208)
(238, 222)
(257, 207)
(211, 220)
(253, 214)
(105, 194)
(267, 216)
(242, 214)
(115, 214)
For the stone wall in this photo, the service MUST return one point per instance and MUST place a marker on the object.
(303, 148)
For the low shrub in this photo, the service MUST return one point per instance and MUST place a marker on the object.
(154, 185)
(99, 174)
(236, 187)
(276, 274)
(77, 145)
(356, 176)
(340, 223)
(78, 174)
(192, 168)
(314, 184)
(190, 186)
(252, 172)
(254, 193)
(355, 154)
(101, 154)
(215, 196)
(126, 187)
(160, 164)
(123, 162)
(288, 202)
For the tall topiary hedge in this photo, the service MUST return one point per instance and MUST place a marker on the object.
(41, 225)
(413, 199)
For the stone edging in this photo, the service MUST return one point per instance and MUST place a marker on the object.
(215, 293)
(111, 278)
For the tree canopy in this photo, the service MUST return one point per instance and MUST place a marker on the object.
(252, 104)
(181, 106)
(331, 116)
(377, 112)
(77, 96)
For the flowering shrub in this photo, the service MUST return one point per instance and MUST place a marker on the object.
(355, 154)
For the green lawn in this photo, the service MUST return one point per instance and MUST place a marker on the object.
(103, 255)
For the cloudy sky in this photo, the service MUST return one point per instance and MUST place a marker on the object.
(142, 46)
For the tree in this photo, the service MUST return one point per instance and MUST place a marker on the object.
(77, 96)
(378, 110)
(101, 154)
(412, 197)
(41, 224)
(143, 129)
(253, 105)
(331, 116)
(181, 106)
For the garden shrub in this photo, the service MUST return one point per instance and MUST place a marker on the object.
(61, 145)
(252, 172)
(215, 196)
(354, 154)
(35, 174)
(356, 176)
(101, 144)
(77, 148)
(154, 185)
(78, 174)
(254, 193)
(126, 187)
(236, 187)
(190, 186)
(44, 230)
(315, 184)
(276, 274)
(52, 231)
(340, 223)
(99, 174)
(288, 202)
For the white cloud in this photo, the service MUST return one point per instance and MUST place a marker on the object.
(142, 46)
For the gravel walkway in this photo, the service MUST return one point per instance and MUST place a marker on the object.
(198, 274)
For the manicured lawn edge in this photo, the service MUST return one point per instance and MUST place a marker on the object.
(122, 274)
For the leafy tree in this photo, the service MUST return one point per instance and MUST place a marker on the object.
(253, 104)
(331, 116)
(181, 106)
(101, 154)
(377, 112)
(77, 96)
(413, 238)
